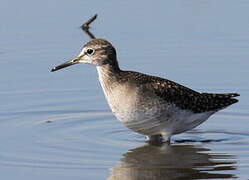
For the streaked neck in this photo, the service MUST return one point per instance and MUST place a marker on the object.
(108, 78)
(108, 72)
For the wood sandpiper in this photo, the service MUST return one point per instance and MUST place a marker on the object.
(149, 105)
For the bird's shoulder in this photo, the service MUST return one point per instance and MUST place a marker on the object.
(167, 90)
(157, 84)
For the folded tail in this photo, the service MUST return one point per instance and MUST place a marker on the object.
(220, 101)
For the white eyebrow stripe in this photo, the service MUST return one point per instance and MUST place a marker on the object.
(98, 46)
(93, 47)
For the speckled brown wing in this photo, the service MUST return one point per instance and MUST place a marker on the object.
(181, 96)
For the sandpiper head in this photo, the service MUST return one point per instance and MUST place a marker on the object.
(98, 52)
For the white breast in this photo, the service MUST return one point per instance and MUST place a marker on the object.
(120, 97)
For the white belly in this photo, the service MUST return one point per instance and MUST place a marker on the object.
(166, 119)
(151, 116)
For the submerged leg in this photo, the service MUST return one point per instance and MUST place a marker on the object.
(154, 138)
(166, 137)
(159, 138)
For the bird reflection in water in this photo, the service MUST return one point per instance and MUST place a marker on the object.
(164, 162)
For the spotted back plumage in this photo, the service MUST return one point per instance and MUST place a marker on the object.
(181, 96)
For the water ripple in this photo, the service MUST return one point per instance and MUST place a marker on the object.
(95, 139)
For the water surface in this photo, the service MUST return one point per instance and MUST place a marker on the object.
(59, 126)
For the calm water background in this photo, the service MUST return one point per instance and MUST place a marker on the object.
(201, 44)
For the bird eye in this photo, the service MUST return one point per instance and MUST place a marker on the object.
(90, 51)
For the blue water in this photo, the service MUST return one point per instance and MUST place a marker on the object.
(59, 126)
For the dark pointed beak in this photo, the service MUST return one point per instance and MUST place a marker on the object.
(66, 64)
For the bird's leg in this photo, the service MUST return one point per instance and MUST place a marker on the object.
(154, 138)
(166, 137)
